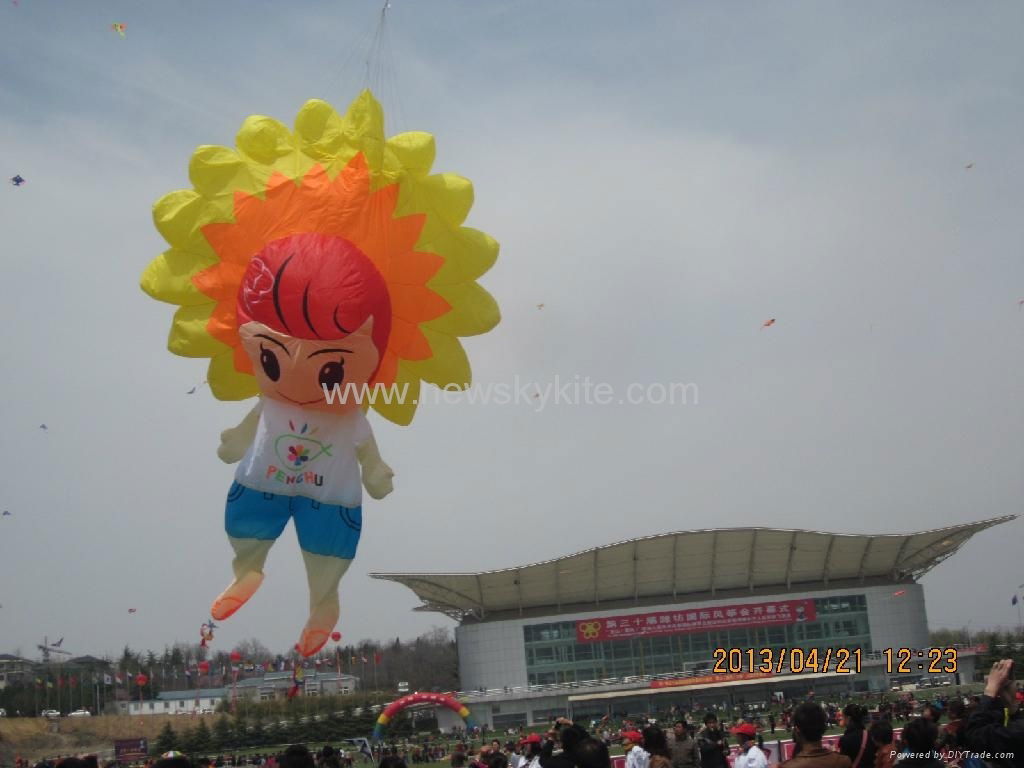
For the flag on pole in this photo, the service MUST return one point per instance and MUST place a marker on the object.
(378, 658)
(1014, 601)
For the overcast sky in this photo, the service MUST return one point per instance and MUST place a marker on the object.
(662, 176)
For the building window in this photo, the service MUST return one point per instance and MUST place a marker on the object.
(554, 656)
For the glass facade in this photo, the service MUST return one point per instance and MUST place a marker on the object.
(553, 654)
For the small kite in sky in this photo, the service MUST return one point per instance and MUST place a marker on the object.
(768, 323)
(17, 180)
(131, 610)
(193, 390)
(119, 28)
(540, 306)
(43, 427)
(6, 514)
(1020, 304)
(969, 166)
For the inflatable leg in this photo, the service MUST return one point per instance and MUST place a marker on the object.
(250, 555)
(324, 573)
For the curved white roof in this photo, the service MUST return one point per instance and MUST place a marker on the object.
(690, 563)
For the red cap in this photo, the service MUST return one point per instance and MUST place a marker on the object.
(634, 736)
(746, 729)
(531, 738)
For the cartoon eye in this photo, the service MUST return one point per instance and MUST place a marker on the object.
(332, 374)
(271, 366)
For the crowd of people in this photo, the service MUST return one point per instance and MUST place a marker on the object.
(985, 731)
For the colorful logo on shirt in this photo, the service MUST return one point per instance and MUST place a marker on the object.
(298, 449)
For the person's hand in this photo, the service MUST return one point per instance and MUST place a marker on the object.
(998, 678)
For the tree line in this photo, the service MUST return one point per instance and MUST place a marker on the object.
(426, 663)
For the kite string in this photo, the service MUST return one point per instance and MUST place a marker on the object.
(370, 63)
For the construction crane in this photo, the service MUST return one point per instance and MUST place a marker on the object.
(47, 648)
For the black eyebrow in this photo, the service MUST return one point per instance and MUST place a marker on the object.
(271, 338)
(326, 351)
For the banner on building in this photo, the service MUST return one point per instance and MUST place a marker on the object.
(722, 677)
(775, 613)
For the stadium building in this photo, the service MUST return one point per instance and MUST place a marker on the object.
(633, 627)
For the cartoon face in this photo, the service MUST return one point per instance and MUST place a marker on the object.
(298, 371)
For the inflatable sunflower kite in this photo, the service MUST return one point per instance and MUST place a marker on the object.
(326, 271)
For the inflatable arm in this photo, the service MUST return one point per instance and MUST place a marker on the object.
(235, 442)
(376, 474)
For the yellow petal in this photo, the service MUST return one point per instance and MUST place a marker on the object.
(446, 195)
(406, 394)
(363, 126)
(468, 253)
(415, 150)
(176, 215)
(218, 171)
(228, 384)
(169, 277)
(449, 364)
(474, 310)
(264, 139)
(189, 337)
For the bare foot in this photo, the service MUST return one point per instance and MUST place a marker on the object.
(236, 595)
(312, 640)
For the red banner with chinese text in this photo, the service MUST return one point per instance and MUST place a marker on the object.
(722, 677)
(771, 614)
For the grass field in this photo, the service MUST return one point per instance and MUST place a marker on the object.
(37, 737)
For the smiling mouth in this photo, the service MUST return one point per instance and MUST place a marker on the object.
(297, 402)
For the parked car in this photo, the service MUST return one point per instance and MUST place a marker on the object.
(3, 713)
(81, 713)
(49, 713)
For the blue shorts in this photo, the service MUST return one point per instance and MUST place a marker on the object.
(323, 529)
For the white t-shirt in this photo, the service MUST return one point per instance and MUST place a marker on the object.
(752, 758)
(300, 452)
(638, 757)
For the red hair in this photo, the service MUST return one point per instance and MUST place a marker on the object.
(315, 286)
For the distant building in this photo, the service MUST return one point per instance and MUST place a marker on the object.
(14, 669)
(175, 702)
(667, 621)
(273, 685)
